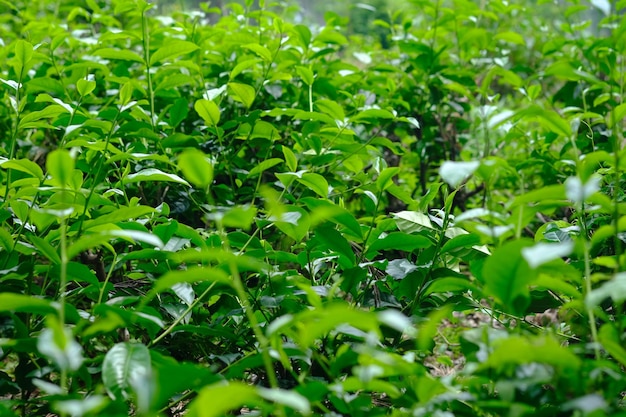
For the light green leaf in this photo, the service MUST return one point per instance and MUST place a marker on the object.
(127, 373)
(243, 93)
(190, 276)
(217, 400)
(265, 165)
(121, 54)
(22, 165)
(294, 222)
(518, 350)
(57, 343)
(46, 249)
(384, 178)
(60, 166)
(542, 253)
(119, 215)
(260, 50)
(196, 167)
(508, 276)
(305, 74)
(331, 108)
(136, 235)
(23, 52)
(290, 399)
(85, 87)
(412, 221)
(615, 289)
(172, 49)
(290, 158)
(239, 217)
(315, 182)
(154, 175)
(18, 303)
(372, 115)
(209, 111)
(454, 173)
(242, 66)
(611, 342)
(399, 241)
(577, 192)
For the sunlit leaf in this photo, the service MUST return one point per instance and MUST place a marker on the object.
(454, 173)
(209, 111)
(243, 93)
(154, 175)
(196, 167)
(127, 372)
(172, 49)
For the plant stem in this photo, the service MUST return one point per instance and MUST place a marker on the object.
(244, 300)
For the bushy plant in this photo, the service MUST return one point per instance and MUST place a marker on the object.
(222, 212)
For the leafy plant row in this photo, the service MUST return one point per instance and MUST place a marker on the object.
(223, 212)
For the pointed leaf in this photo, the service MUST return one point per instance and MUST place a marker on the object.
(154, 175)
(172, 49)
(196, 167)
(243, 93)
(209, 111)
(125, 368)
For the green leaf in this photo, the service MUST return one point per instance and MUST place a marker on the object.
(242, 93)
(611, 342)
(22, 165)
(331, 108)
(398, 241)
(121, 54)
(172, 49)
(542, 253)
(508, 276)
(518, 350)
(209, 111)
(60, 166)
(460, 241)
(30, 119)
(127, 373)
(23, 52)
(290, 399)
(239, 217)
(260, 50)
(454, 173)
(412, 221)
(336, 242)
(196, 167)
(315, 183)
(85, 87)
(265, 165)
(551, 120)
(384, 178)
(119, 215)
(218, 399)
(45, 249)
(450, 284)
(190, 276)
(372, 116)
(305, 74)
(154, 175)
(615, 289)
(57, 343)
(325, 210)
(293, 221)
(19, 303)
(290, 158)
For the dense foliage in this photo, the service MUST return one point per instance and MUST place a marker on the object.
(220, 212)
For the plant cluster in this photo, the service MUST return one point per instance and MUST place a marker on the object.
(220, 212)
